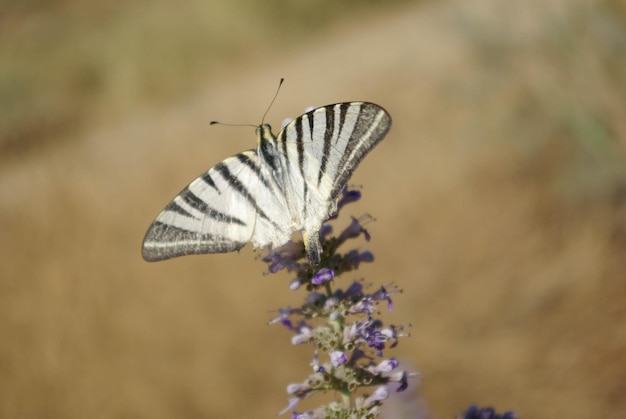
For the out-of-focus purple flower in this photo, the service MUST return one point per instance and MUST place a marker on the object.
(295, 388)
(295, 284)
(355, 229)
(291, 404)
(365, 305)
(323, 275)
(283, 317)
(474, 412)
(385, 366)
(348, 196)
(354, 258)
(326, 230)
(401, 377)
(340, 325)
(383, 294)
(338, 358)
(381, 393)
(355, 289)
(285, 256)
(304, 333)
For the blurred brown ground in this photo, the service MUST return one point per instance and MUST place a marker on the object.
(499, 200)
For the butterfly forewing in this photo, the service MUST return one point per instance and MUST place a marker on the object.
(322, 148)
(290, 182)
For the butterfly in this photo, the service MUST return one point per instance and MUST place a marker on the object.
(291, 181)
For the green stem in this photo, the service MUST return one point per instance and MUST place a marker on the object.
(329, 290)
(345, 398)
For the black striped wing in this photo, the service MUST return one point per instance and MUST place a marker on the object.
(219, 212)
(320, 151)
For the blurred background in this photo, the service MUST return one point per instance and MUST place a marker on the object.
(499, 195)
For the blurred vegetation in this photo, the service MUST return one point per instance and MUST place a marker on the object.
(569, 88)
(64, 61)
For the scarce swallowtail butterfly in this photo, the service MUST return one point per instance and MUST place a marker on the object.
(290, 181)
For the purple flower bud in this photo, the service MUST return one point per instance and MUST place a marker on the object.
(295, 284)
(323, 275)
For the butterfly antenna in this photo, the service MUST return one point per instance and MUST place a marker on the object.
(280, 83)
(231, 125)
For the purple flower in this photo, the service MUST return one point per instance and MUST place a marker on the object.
(338, 358)
(382, 294)
(304, 334)
(285, 256)
(381, 393)
(341, 325)
(348, 196)
(295, 388)
(326, 230)
(323, 275)
(402, 378)
(283, 317)
(366, 305)
(473, 412)
(295, 284)
(354, 258)
(356, 288)
(355, 229)
(385, 366)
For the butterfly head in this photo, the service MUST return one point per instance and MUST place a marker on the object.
(264, 133)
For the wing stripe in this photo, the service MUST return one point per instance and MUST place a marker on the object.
(184, 242)
(236, 184)
(343, 110)
(242, 157)
(193, 201)
(328, 137)
(199, 205)
(209, 181)
(300, 148)
(174, 207)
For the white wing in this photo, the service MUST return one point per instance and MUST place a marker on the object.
(320, 150)
(233, 203)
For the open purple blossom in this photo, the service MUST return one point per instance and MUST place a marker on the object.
(340, 324)
(338, 358)
(381, 393)
(355, 229)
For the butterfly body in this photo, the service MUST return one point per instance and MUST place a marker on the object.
(290, 182)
